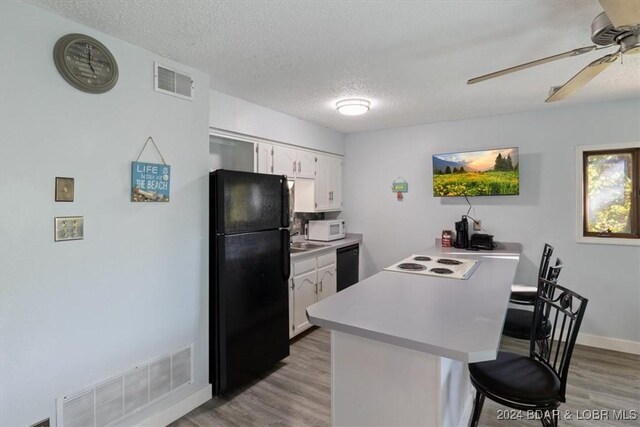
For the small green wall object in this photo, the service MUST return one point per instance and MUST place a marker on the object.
(399, 185)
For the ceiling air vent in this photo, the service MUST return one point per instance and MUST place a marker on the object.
(172, 82)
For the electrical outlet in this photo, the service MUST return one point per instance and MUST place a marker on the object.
(43, 423)
(477, 225)
(69, 228)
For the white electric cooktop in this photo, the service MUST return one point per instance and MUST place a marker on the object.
(436, 265)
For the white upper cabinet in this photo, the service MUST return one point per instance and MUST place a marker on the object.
(285, 161)
(264, 157)
(324, 193)
(306, 164)
(334, 183)
(318, 175)
(293, 163)
(326, 189)
(322, 184)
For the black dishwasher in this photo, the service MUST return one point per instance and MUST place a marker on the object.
(348, 262)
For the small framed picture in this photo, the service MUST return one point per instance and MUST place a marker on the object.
(64, 189)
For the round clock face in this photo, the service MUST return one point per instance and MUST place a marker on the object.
(85, 63)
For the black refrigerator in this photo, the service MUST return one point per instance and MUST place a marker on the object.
(249, 265)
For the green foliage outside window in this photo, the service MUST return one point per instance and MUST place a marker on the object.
(609, 193)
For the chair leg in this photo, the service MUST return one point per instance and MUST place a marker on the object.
(477, 408)
(550, 418)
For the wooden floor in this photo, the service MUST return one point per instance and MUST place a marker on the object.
(298, 393)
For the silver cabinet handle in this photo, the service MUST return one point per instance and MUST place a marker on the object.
(294, 167)
(299, 167)
(316, 290)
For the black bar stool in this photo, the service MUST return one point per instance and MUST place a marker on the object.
(518, 323)
(536, 382)
(526, 294)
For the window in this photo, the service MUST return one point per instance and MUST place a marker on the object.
(610, 193)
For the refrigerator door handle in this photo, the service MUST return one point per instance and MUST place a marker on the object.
(286, 253)
(285, 202)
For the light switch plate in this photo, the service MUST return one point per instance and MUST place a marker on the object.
(69, 228)
(64, 189)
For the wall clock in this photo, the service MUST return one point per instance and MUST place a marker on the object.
(85, 63)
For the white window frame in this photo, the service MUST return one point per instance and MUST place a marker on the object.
(580, 149)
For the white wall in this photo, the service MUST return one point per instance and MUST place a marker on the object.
(74, 313)
(237, 115)
(544, 212)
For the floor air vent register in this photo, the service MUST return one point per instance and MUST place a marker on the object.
(123, 395)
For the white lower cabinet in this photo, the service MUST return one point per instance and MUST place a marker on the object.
(312, 279)
(305, 293)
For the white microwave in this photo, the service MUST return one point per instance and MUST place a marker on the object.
(326, 230)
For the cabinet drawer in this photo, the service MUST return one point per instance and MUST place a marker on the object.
(304, 266)
(328, 259)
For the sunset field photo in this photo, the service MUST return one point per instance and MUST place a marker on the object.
(477, 173)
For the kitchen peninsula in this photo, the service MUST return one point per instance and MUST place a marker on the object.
(401, 343)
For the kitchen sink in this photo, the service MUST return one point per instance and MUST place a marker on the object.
(305, 246)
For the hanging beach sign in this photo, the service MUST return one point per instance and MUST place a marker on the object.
(399, 186)
(150, 182)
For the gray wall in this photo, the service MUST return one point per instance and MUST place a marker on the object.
(237, 115)
(74, 313)
(543, 212)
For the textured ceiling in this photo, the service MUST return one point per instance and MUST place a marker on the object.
(411, 59)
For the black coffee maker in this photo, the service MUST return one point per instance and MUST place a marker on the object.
(462, 233)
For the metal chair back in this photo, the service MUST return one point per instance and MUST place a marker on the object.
(565, 309)
(544, 261)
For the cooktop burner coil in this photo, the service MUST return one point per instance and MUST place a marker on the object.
(411, 266)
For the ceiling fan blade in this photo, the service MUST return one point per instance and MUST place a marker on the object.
(622, 13)
(574, 52)
(585, 75)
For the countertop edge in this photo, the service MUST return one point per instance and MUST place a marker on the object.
(403, 342)
(350, 239)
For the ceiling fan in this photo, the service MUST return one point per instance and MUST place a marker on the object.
(619, 24)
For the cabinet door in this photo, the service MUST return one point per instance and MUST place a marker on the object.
(265, 157)
(306, 164)
(322, 183)
(327, 282)
(305, 293)
(284, 161)
(335, 183)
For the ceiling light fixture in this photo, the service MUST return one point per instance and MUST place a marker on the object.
(353, 107)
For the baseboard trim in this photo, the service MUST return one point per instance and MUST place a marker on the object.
(614, 344)
(179, 409)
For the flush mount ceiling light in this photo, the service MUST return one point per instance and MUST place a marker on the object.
(353, 107)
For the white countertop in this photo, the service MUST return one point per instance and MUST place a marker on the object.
(350, 239)
(457, 319)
